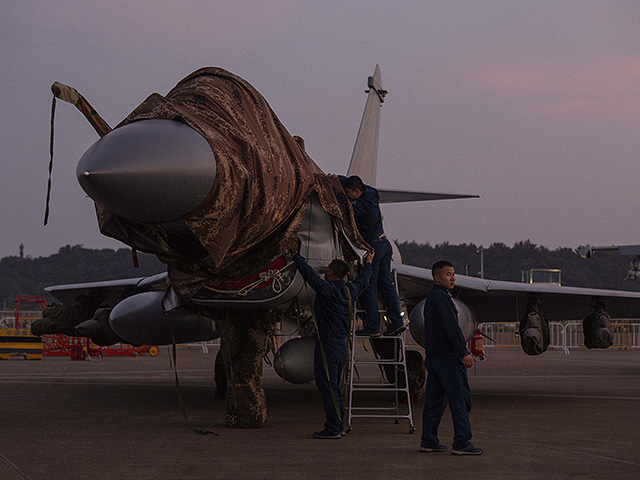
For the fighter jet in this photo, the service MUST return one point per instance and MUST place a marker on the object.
(477, 299)
(586, 251)
(209, 180)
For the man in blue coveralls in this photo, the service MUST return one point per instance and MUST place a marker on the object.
(446, 359)
(366, 209)
(331, 309)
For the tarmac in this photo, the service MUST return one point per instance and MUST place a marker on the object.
(555, 416)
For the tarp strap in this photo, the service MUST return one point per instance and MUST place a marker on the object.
(277, 347)
(264, 277)
(227, 353)
(180, 399)
(351, 343)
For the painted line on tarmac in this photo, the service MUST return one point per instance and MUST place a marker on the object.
(559, 449)
(97, 381)
(633, 375)
(206, 385)
(555, 395)
(104, 375)
(8, 462)
(100, 373)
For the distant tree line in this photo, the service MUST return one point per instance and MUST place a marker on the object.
(29, 276)
(76, 264)
(603, 270)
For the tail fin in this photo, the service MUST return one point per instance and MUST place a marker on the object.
(364, 160)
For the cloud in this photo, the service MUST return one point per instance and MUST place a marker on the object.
(541, 88)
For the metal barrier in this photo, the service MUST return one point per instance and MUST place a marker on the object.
(506, 334)
(500, 334)
(558, 336)
(205, 345)
(574, 338)
(626, 334)
(7, 319)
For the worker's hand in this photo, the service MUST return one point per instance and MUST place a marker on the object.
(468, 361)
(368, 257)
(294, 245)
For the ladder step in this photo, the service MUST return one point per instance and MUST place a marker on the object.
(378, 362)
(357, 388)
(369, 415)
(364, 311)
(387, 386)
(398, 360)
(399, 415)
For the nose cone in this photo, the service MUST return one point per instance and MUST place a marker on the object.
(149, 171)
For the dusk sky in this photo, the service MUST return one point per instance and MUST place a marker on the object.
(533, 105)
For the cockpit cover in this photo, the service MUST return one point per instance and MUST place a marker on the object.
(263, 179)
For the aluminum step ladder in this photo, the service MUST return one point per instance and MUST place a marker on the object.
(398, 365)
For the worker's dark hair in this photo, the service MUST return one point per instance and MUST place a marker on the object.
(339, 268)
(439, 266)
(353, 182)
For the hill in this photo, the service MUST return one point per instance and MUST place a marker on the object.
(29, 276)
(605, 270)
(76, 264)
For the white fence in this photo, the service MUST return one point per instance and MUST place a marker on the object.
(565, 336)
(7, 318)
(626, 334)
(27, 317)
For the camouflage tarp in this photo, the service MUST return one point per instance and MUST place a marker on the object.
(263, 181)
(247, 336)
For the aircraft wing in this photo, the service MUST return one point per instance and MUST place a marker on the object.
(496, 301)
(399, 196)
(108, 292)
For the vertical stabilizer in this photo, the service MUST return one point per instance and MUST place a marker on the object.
(364, 160)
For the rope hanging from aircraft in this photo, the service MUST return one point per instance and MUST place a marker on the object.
(72, 96)
(264, 277)
(46, 209)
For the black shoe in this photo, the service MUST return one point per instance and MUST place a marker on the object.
(325, 434)
(393, 331)
(470, 449)
(366, 333)
(437, 448)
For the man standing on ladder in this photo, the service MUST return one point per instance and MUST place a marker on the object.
(366, 209)
(446, 359)
(334, 300)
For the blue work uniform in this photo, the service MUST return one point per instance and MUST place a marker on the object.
(331, 308)
(366, 210)
(447, 379)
